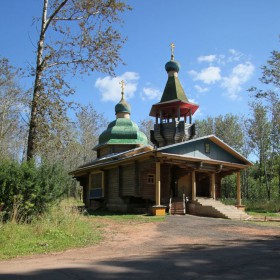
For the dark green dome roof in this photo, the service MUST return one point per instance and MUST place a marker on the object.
(172, 65)
(122, 107)
(122, 131)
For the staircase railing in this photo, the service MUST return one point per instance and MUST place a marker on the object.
(170, 204)
(184, 203)
(177, 205)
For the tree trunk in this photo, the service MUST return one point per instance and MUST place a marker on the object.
(267, 183)
(33, 125)
(279, 181)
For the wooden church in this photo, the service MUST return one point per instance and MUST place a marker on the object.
(180, 174)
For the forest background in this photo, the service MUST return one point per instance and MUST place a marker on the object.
(44, 133)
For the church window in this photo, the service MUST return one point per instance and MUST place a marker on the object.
(207, 148)
(96, 185)
(151, 178)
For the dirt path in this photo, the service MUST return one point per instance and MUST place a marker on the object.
(182, 247)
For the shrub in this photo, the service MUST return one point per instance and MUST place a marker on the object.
(27, 190)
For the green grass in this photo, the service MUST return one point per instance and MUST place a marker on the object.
(60, 229)
(261, 219)
(63, 227)
(264, 214)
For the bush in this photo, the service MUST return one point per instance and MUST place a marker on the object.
(27, 190)
(256, 205)
(263, 205)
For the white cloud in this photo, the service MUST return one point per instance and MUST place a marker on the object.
(221, 59)
(207, 58)
(201, 89)
(234, 55)
(150, 93)
(110, 86)
(208, 75)
(240, 74)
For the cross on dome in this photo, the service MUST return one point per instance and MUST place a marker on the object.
(122, 83)
(172, 45)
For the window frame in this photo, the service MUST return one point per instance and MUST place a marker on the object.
(96, 192)
(207, 148)
(150, 178)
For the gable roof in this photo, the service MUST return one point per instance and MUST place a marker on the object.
(113, 159)
(179, 151)
(179, 147)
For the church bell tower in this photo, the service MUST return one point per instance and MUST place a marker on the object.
(174, 111)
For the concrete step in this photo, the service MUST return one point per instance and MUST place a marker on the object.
(218, 209)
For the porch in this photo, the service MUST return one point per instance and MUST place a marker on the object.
(193, 183)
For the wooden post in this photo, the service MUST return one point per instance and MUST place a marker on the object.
(213, 186)
(88, 192)
(193, 186)
(158, 210)
(178, 113)
(157, 183)
(238, 189)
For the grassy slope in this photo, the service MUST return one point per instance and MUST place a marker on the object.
(60, 229)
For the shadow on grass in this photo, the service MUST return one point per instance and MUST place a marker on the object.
(248, 260)
(102, 213)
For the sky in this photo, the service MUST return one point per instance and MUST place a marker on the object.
(220, 45)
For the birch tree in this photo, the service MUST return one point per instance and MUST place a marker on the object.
(90, 125)
(13, 101)
(75, 37)
(260, 132)
(269, 96)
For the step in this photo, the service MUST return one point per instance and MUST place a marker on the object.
(226, 211)
(177, 207)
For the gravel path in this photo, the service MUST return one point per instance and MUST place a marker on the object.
(182, 247)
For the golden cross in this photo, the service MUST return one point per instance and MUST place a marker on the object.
(172, 49)
(122, 83)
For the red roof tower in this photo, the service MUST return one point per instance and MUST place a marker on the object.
(174, 111)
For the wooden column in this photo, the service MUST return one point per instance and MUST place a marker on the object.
(193, 186)
(213, 186)
(88, 191)
(238, 189)
(157, 183)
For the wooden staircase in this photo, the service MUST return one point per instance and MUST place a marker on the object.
(215, 208)
(177, 206)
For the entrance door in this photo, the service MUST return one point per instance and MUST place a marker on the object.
(180, 182)
(203, 184)
(184, 185)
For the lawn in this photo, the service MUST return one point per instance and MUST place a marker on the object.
(62, 228)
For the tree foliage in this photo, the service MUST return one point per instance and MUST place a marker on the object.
(265, 126)
(228, 128)
(146, 125)
(76, 36)
(13, 102)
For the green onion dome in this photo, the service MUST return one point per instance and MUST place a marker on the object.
(122, 131)
(122, 107)
(172, 65)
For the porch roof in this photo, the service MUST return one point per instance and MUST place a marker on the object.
(172, 148)
(198, 163)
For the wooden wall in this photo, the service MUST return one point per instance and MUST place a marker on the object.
(128, 180)
(112, 190)
(147, 191)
